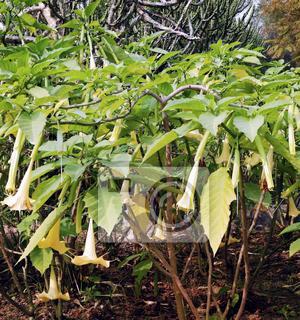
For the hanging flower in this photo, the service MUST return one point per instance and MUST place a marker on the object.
(116, 131)
(225, 154)
(236, 168)
(89, 254)
(297, 117)
(293, 211)
(124, 193)
(195, 135)
(21, 201)
(14, 162)
(186, 203)
(52, 240)
(265, 163)
(292, 144)
(54, 292)
(252, 160)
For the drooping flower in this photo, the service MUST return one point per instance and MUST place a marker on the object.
(195, 134)
(225, 154)
(252, 160)
(21, 200)
(235, 178)
(265, 163)
(54, 292)
(293, 211)
(186, 203)
(14, 162)
(292, 144)
(89, 255)
(124, 193)
(52, 240)
(297, 117)
(116, 131)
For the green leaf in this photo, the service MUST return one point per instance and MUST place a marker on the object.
(193, 104)
(252, 192)
(275, 104)
(104, 207)
(74, 171)
(38, 92)
(292, 228)
(283, 151)
(211, 122)
(168, 137)
(90, 9)
(26, 223)
(119, 164)
(249, 126)
(159, 143)
(46, 189)
(294, 247)
(215, 200)
(252, 59)
(43, 229)
(32, 124)
(41, 258)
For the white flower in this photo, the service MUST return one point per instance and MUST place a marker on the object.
(186, 203)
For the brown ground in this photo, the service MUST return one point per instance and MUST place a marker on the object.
(274, 295)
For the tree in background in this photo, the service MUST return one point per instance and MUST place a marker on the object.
(190, 26)
(282, 28)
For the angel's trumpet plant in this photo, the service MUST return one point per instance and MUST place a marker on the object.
(54, 292)
(116, 131)
(292, 144)
(265, 163)
(89, 255)
(270, 159)
(236, 168)
(52, 240)
(293, 211)
(21, 201)
(125, 196)
(186, 203)
(14, 162)
(195, 134)
(225, 154)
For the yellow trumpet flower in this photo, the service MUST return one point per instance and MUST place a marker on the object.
(54, 292)
(293, 211)
(225, 154)
(14, 162)
(116, 131)
(52, 240)
(89, 255)
(125, 196)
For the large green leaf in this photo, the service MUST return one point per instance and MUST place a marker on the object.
(186, 104)
(167, 138)
(32, 124)
(43, 229)
(46, 189)
(215, 200)
(211, 122)
(41, 258)
(249, 126)
(104, 207)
